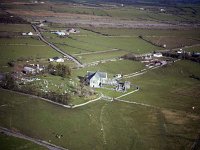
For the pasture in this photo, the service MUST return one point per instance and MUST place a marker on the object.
(169, 87)
(116, 125)
(9, 142)
(112, 68)
(16, 28)
(93, 42)
(26, 48)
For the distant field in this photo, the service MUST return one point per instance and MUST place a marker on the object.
(14, 48)
(149, 32)
(16, 28)
(193, 49)
(173, 42)
(113, 67)
(9, 142)
(94, 42)
(169, 87)
(101, 56)
(179, 13)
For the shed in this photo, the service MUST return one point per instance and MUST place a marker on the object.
(157, 55)
(56, 59)
(29, 33)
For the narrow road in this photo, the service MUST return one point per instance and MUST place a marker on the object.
(56, 48)
(37, 141)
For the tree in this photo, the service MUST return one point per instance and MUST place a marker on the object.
(9, 82)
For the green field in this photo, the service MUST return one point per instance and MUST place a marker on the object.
(193, 49)
(93, 42)
(169, 87)
(163, 115)
(125, 126)
(112, 68)
(173, 13)
(16, 28)
(100, 56)
(15, 48)
(9, 142)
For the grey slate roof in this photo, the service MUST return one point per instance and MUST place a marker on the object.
(90, 74)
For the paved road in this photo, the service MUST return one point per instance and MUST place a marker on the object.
(37, 141)
(56, 48)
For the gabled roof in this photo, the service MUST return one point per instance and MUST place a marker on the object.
(96, 74)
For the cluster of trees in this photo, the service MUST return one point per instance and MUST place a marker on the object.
(132, 56)
(9, 82)
(59, 70)
(5, 18)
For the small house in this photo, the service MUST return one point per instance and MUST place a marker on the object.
(96, 79)
(162, 10)
(117, 76)
(56, 59)
(24, 33)
(157, 55)
(29, 33)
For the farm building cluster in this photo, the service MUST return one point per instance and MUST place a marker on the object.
(100, 79)
(66, 32)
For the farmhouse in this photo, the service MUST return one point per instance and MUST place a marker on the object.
(96, 79)
(29, 33)
(157, 55)
(56, 59)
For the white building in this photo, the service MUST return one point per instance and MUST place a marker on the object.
(60, 33)
(96, 79)
(29, 33)
(157, 55)
(56, 59)
(162, 10)
(24, 33)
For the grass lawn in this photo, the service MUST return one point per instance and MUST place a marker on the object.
(100, 56)
(92, 42)
(9, 142)
(149, 32)
(125, 126)
(169, 87)
(112, 68)
(16, 27)
(173, 42)
(14, 48)
(193, 49)
(131, 44)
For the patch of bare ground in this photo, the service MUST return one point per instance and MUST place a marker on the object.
(91, 20)
(179, 118)
(42, 13)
